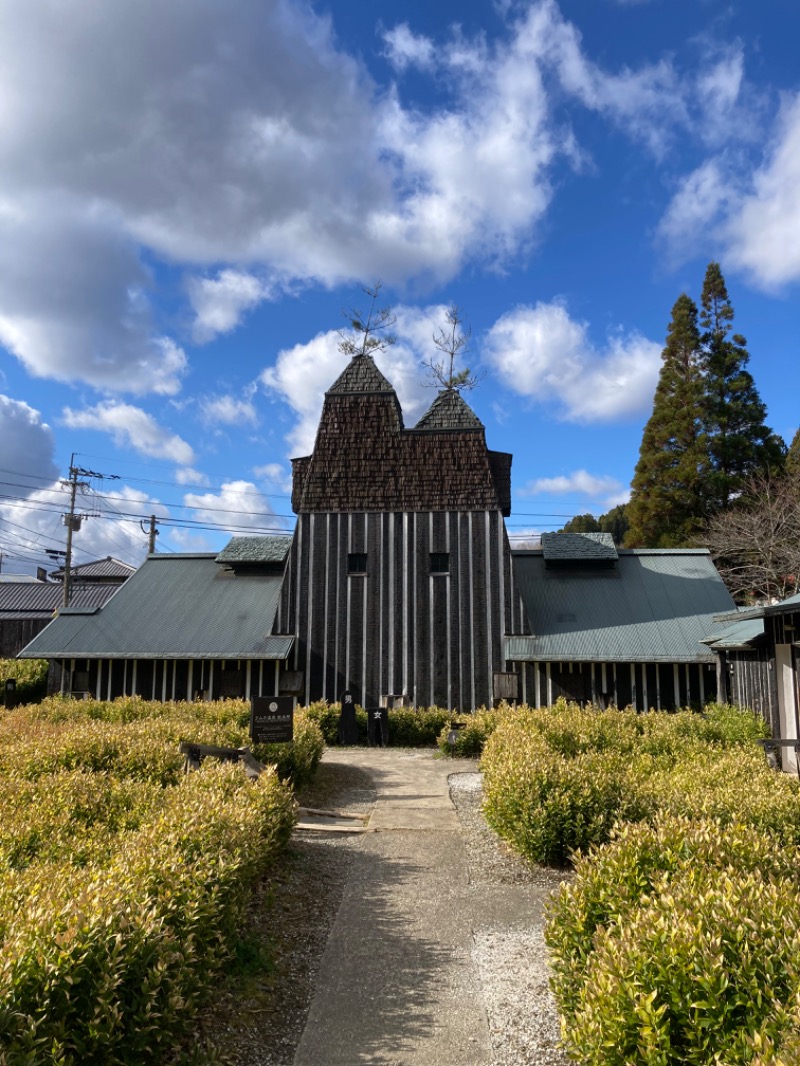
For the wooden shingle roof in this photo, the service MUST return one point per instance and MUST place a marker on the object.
(449, 411)
(364, 459)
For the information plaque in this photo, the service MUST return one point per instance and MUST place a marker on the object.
(272, 719)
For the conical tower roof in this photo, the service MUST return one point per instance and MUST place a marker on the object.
(361, 375)
(449, 411)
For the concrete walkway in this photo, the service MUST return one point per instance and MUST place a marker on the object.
(398, 983)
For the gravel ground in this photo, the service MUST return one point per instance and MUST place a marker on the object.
(260, 1012)
(512, 965)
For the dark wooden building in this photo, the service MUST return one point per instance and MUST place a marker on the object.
(399, 585)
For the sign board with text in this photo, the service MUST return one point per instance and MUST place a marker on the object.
(272, 719)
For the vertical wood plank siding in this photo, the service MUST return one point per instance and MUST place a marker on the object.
(400, 629)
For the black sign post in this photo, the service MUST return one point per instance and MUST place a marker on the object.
(378, 719)
(348, 727)
(272, 719)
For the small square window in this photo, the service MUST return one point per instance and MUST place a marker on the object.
(357, 563)
(440, 562)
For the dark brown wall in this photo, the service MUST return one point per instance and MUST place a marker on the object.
(399, 629)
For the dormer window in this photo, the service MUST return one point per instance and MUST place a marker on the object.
(357, 563)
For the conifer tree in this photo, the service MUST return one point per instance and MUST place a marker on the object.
(793, 460)
(666, 506)
(739, 443)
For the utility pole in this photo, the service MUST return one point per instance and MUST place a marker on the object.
(152, 533)
(73, 521)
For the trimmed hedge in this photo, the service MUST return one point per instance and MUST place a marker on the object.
(138, 738)
(123, 881)
(679, 942)
(409, 727)
(30, 676)
(557, 780)
(107, 957)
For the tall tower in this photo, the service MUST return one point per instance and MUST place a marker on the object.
(399, 580)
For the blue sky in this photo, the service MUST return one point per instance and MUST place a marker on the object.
(191, 193)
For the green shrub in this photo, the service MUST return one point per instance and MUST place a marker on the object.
(558, 779)
(409, 727)
(30, 676)
(547, 806)
(613, 879)
(703, 964)
(296, 762)
(471, 732)
(137, 738)
(110, 962)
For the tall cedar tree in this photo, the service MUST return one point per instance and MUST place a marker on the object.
(739, 444)
(793, 460)
(666, 505)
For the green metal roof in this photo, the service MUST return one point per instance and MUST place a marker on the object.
(255, 550)
(174, 607)
(578, 548)
(654, 606)
(740, 635)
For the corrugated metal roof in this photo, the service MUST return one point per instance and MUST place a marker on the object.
(578, 547)
(26, 599)
(255, 550)
(655, 606)
(174, 607)
(449, 411)
(739, 635)
(108, 567)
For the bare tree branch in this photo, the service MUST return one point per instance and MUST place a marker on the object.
(453, 342)
(756, 542)
(368, 332)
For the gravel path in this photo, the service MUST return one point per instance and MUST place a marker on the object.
(261, 1013)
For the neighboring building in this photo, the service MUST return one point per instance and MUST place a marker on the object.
(108, 571)
(399, 584)
(27, 606)
(759, 655)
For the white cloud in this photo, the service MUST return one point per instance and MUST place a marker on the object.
(751, 216)
(405, 48)
(241, 143)
(542, 353)
(701, 200)
(187, 476)
(764, 230)
(229, 411)
(27, 447)
(105, 530)
(238, 505)
(220, 303)
(605, 490)
(73, 302)
(275, 475)
(131, 427)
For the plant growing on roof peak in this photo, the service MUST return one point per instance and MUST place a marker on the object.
(452, 340)
(368, 333)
